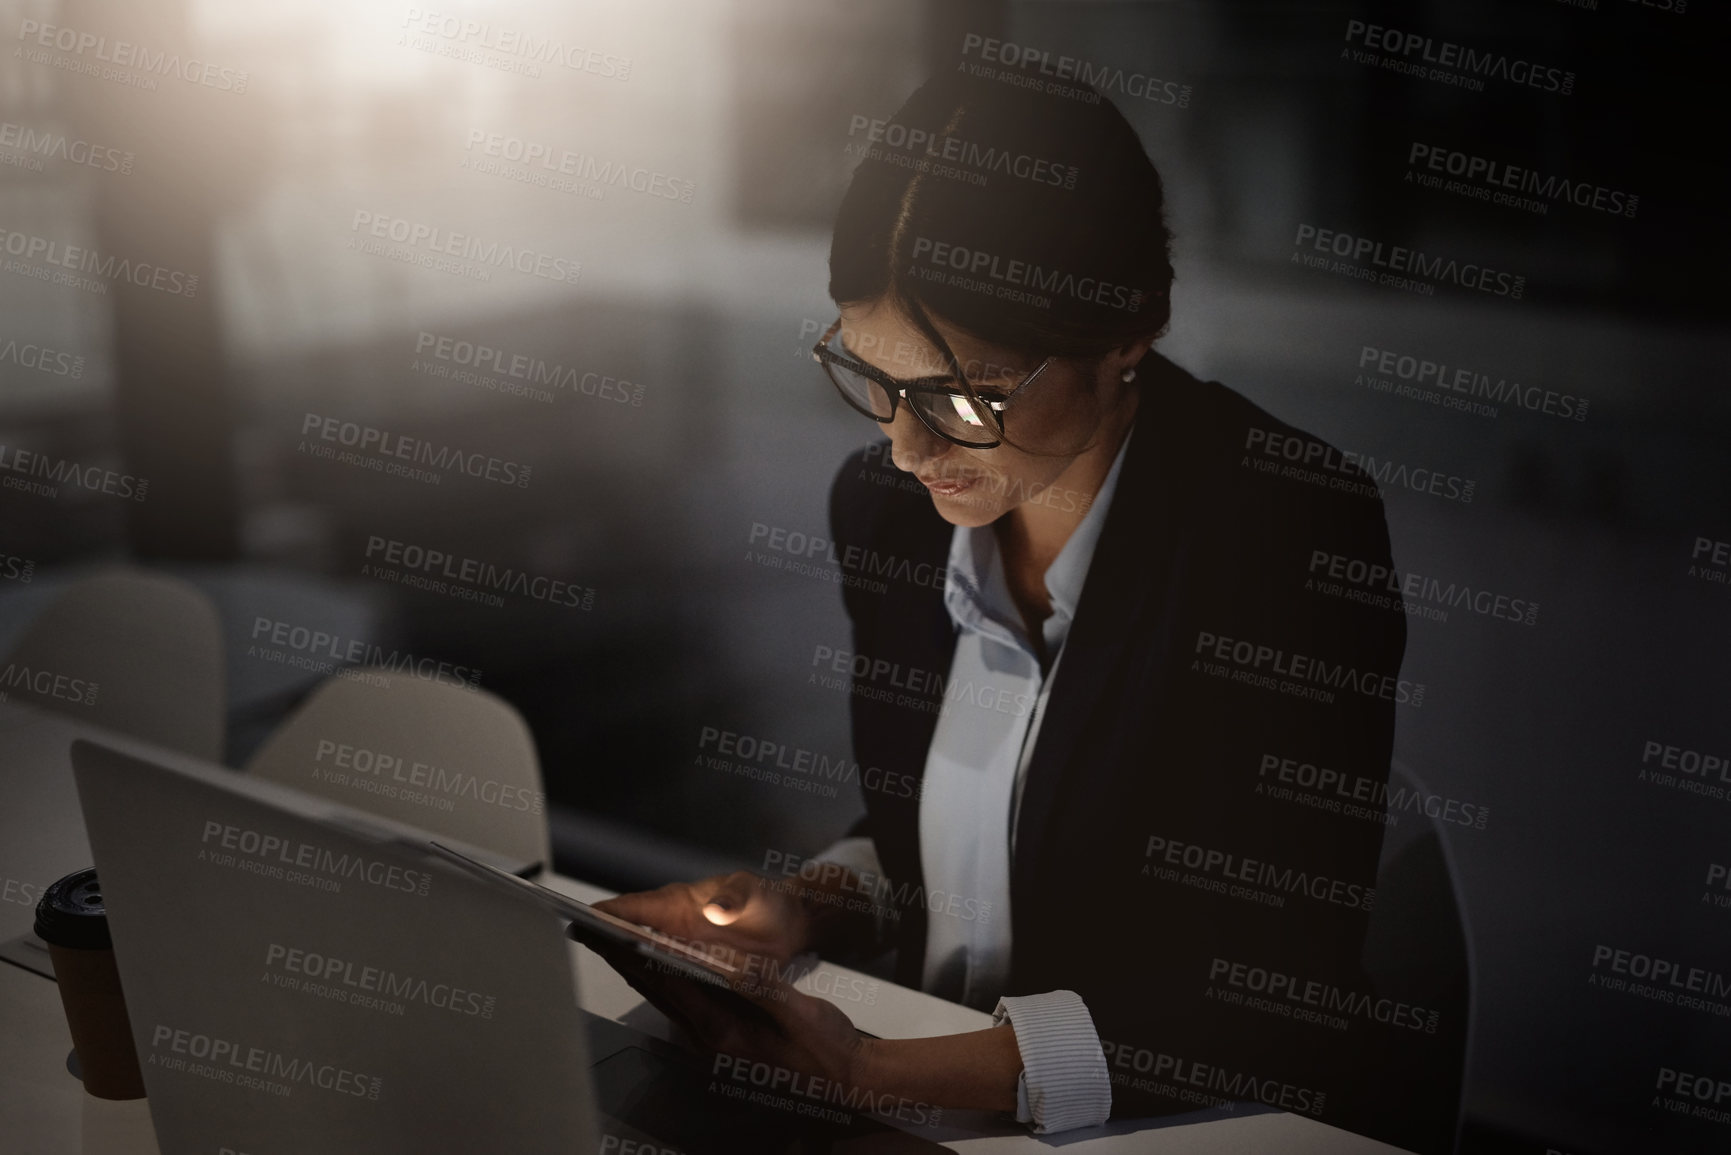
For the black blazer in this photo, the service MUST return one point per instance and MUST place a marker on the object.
(1149, 735)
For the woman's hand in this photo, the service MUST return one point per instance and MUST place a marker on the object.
(758, 1017)
(751, 1019)
(739, 912)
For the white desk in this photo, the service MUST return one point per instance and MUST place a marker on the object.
(902, 1013)
(44, 1110)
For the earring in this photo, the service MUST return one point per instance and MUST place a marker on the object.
(1127, 376)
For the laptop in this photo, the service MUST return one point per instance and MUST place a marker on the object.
(303, 976)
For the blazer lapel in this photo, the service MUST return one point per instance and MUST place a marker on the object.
(1127, 576)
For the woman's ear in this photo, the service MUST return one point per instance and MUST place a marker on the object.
(1128, 356)
(1137, 349)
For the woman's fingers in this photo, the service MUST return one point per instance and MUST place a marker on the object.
(713, 1015)
(728, 897)
(688, 909)
(726, 911)
(644, 977)
(667, 904)
(735, 894)
(671, 987)
(792, 1012)
(749, 1017)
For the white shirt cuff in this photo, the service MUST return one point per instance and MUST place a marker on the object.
(1064, 1082)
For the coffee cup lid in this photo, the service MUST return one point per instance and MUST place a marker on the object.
(71, 914)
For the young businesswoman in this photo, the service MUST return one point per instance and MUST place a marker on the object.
(1076, 828)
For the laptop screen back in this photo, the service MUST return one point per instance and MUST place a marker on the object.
(298, 980)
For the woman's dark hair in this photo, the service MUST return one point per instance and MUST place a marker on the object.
(1031, 220)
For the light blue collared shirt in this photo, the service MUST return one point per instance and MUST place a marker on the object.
(994, 700)
(970, 800)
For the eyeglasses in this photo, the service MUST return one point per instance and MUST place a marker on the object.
(940, 406)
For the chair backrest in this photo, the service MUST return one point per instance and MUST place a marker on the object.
(134, 651)
(1418, 939)
(1418, 950)
(447, 758)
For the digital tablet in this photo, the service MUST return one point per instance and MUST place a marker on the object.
(587, 922)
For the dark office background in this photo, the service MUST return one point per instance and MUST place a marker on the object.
(700, 315)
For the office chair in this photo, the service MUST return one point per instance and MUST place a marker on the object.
(444, 757)
(1418, 950)
(136, 652)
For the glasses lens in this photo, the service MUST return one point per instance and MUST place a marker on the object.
(861, 391)
(955, 416)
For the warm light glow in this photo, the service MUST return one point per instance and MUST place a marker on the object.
(719, 915)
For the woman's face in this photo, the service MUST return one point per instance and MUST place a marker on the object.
(1063, 425)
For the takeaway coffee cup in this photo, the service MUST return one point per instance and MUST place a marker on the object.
(72, 920)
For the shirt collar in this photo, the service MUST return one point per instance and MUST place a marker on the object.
(977, 593)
